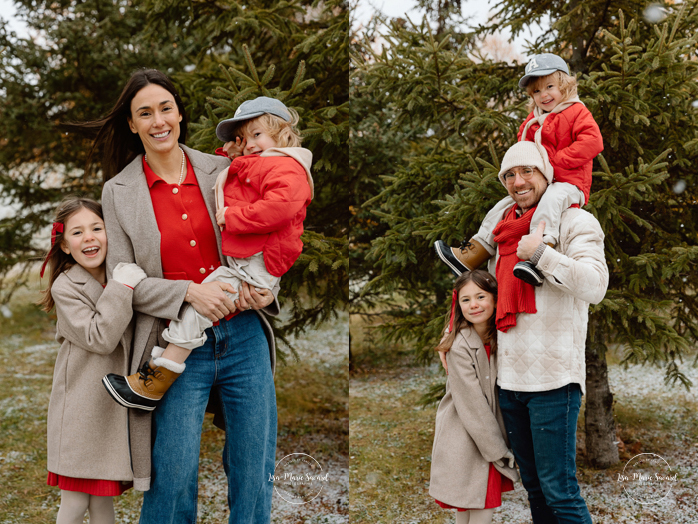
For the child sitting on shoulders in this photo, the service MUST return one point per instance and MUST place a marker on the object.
(562, 126)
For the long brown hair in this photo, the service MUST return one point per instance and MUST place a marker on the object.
(484, 281)
(56, 259)
(112, 133)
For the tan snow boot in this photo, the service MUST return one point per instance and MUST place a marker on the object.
(468, 257)
(144, 389)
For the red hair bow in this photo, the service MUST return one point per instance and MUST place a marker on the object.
(454, 301)
(57, 228)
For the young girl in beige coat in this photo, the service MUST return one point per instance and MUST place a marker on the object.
(88, 448)
(471, 464)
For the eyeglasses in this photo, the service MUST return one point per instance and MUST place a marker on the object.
(525, 172)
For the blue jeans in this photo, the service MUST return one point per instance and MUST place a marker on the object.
(542, 431)
(233, 363)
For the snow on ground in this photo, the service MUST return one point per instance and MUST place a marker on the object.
(636, 386)
(328, 345)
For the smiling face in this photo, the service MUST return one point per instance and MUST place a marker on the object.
(476, 304)
(155, 117)
(525, 185)
(85, 238)
(546, 93)
(257, 136)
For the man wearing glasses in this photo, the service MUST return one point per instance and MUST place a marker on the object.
(542, 334)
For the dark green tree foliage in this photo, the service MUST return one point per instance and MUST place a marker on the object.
(436, 96)
(638, 78)
(376, 147)
(73, 71)
(294, 50)
(297, 52)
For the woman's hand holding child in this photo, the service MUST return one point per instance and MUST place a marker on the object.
(253, 297)
(210, 300)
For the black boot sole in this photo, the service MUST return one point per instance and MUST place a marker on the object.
(528, 273)
(443, 251)
(124, 395)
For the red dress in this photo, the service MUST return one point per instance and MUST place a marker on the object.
(100, 488)
(496, 482)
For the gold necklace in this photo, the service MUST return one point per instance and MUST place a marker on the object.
(181, 169)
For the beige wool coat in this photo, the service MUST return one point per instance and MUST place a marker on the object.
(133, 235)
(87, 430)
(469, 430)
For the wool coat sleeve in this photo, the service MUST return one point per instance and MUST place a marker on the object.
(285, 192)
(579, 268)
(97, 328)
(153, 296)
(587, 142)
(471, 405)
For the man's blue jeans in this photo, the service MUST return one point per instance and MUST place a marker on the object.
(542, 431)
(234, 363)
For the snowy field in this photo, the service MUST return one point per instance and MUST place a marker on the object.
(383, 415)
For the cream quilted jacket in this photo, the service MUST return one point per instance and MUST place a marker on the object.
(545, 350)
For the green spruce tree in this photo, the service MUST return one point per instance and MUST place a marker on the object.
(638, 78)
(72, 70)
(296, 51)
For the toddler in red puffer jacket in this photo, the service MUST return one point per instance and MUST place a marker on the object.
(261, 201)
(565, 132)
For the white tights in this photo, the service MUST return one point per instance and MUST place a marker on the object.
(474, 516)
(74, 504)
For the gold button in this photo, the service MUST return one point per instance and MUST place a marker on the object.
(175, 190)
(192, 243)
(202, 271)
(184, 216)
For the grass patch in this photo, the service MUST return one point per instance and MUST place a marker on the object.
(649, 427)
(370, 353)
(313, 410)
(26, 372)
(390, 452)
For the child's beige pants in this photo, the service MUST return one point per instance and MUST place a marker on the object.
(188, 333)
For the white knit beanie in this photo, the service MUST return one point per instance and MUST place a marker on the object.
(526, 153)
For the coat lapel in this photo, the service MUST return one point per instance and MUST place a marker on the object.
(483, 365)
(90, 287)
(131, 189)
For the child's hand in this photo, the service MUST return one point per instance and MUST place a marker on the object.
(128, 274)
(220, 216)
(235, 149)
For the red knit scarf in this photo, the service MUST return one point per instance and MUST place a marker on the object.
(514, 295)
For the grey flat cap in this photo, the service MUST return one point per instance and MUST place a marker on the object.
(543, 65)
(252, 109)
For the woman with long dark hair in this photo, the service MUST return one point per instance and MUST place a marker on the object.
(159, 211)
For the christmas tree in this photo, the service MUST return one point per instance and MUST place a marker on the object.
(86, 50)
(460, 110)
